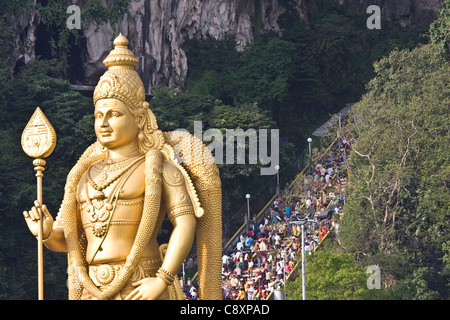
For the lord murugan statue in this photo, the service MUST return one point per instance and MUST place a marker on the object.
(120, 191)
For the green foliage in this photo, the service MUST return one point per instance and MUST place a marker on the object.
(207, 85)
(440, 28)
(398, 209)
(417, 285)
(331, 277)
(9, 9)
(94, 11)
(263, 77)
(177, 110)
(61, 39)
(301, 75)
(15, 7)
(19, 96)
(209, 59)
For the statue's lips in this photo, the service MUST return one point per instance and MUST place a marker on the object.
(106, 133)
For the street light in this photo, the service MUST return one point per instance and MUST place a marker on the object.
(303, 264)
(302, 224)
(284, 270)
(339, 131)
(340, 127)
(248, 206)
(309, 159)
(277, 167)
(183, 279)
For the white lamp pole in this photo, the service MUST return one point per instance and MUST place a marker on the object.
(309, 159)
(277, 167)
(339, 131)
(303, 264)
(248, 206)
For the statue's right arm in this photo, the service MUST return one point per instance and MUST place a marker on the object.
(56, 241)
(52, 232)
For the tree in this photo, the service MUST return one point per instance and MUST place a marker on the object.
(331, 276)
(397, 212)
(176, 109)
(70, 115)
(440, 28)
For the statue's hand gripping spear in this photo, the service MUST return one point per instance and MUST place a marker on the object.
(38, 142)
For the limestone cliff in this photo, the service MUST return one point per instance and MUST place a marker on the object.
(157, 28)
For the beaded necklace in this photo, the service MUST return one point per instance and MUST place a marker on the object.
(105, 182)
(100, 211)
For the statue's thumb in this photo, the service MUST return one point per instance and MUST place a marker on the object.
(45, 210)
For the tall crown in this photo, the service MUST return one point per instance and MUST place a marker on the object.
(121, 56)
(121, 81)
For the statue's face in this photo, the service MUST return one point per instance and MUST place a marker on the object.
(115, 126)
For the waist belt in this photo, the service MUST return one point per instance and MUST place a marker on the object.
(104, 274)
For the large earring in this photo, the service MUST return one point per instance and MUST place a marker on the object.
(141, 136)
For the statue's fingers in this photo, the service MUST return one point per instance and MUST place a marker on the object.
(132, 294)
(37, 204)
(39, 211)
(137, 283)
(137, 297)
(45, 211)
(26, 215)
(34, 214)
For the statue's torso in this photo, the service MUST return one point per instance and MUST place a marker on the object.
(114, 243)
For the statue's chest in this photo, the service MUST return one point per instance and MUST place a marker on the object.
(102, 181)
(114, 194)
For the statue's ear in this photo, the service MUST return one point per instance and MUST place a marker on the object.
(141, 119)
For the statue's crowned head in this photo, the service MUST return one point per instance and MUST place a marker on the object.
(122, 82)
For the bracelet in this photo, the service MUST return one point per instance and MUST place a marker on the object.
(166, 276)
(49, 238)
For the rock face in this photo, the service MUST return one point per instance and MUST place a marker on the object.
(406, 12)
(156, 29)
(24, 27)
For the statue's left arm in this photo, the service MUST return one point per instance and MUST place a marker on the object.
(180, 211)
(180, 243)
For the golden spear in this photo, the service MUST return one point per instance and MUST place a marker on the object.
(38, 142)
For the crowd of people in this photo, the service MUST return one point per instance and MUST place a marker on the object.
(268, 251)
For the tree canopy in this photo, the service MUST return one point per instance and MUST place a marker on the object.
(398, 210)
(331, 276)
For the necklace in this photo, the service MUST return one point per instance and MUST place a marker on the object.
(103, 177)
(108, 166)
(98, 212)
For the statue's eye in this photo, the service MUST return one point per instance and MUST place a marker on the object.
(98, 115)
(115, 114)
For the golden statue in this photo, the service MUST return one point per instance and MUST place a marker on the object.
(121, 189)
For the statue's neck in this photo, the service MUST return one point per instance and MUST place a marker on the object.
(118, 154)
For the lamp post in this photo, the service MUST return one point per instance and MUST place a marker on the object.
(302, 223)
(339, 131)
(277, 167)
(182, 279)
(284, 271)
(303, 264)
(248, 206)
(340, 126)
(309, 158)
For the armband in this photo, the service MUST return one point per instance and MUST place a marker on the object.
(180, 211)
(166, 276)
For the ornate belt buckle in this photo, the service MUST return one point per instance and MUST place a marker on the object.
(105, 274)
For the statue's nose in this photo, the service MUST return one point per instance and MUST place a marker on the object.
(105, 122)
